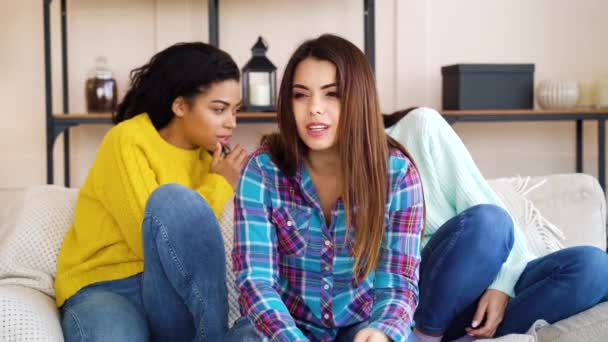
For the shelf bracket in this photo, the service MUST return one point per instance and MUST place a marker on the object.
(58, 128)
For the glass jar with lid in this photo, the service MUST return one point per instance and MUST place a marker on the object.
(100, 89)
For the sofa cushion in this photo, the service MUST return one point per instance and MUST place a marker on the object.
(28, 315)
(589, 326)
(28, 250)
(542, 236)
(577, 204)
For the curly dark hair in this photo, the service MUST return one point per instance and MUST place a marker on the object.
(183, 69)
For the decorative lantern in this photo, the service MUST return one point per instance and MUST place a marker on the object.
(259, 81)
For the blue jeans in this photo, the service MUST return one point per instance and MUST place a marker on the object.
(180, 296)
(243, 331)
(464, 256)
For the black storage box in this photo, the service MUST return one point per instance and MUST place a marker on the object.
(488, 86)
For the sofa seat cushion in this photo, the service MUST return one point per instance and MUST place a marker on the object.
(588, 326)
(28, 315)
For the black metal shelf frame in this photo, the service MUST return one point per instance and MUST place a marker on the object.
(55, 127)
(573, 116)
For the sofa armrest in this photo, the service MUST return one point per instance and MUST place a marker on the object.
(28, 315)
(576, 204)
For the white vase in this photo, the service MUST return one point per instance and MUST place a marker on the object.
(552, 94)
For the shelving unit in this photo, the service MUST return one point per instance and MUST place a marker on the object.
(578, 115)
(57, 124)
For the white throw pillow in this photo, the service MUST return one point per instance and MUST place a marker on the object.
(31, 242)
(542, 236)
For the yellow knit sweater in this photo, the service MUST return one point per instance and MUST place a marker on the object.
(105, 241)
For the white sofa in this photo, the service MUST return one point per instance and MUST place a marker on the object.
(34, 220)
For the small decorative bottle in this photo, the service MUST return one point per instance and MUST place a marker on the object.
(100, 88)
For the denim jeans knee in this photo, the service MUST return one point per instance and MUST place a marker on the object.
(100, 315)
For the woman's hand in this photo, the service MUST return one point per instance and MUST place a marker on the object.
(231, 166)
(492, 306)
(371, 335)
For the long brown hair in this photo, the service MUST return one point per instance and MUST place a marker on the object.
(360, 135)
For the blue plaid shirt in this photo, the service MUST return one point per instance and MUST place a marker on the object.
(295, 273)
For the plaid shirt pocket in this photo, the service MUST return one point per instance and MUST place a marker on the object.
(292, 230)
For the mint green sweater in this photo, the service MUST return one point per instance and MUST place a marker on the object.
(452, 183)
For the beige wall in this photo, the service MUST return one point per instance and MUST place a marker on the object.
(565, 39)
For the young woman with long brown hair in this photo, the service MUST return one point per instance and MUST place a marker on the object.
(328, 212)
